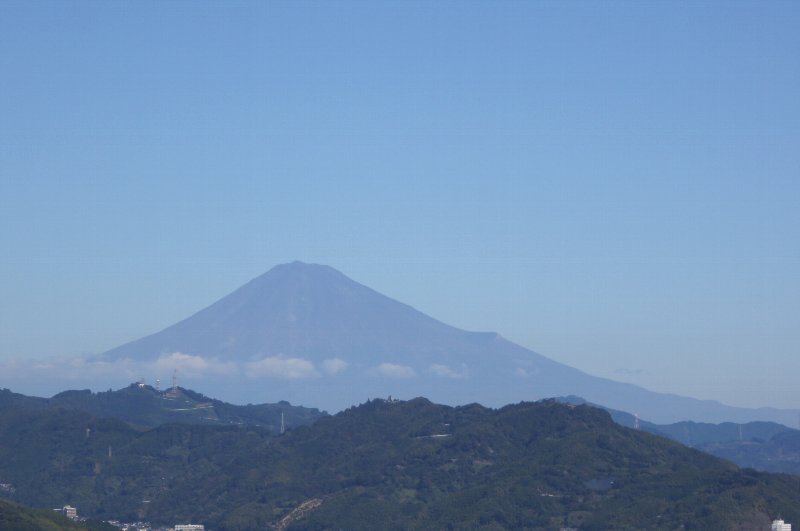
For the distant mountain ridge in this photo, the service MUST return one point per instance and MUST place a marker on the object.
(307, 333)
(144, 406)
(387, 464)
(764, 446)
(693, 434)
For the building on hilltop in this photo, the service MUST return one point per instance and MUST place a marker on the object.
(195, 527)
(70, 512)
(780, 525)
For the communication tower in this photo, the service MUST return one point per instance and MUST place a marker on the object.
(283, 425)
(635, 421)
(173, 392)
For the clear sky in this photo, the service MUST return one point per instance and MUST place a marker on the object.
(615, 185)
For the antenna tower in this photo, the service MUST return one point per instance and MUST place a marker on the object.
(173, 391)
(635, 421)
(158, 385)
(283, 425)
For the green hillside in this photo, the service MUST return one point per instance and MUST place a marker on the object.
(390, 465)
(765, 446)
(781, 453)
(145, 406)
(14, 517)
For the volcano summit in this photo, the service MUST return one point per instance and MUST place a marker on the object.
(309, 334)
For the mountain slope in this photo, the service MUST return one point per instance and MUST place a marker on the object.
(19, 518)
(780, 453)
(308, 334)
(391, 465)
(311, 311)
(145, 406)
(690, 433)
(764, 446)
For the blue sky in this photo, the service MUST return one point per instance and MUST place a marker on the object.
(615, 185)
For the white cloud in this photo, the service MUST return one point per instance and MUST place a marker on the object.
(191, 366)
(282, 367)
(522, 373)
(443, 370)
(62, 373)
(334, 365)
(629, 372)
(531, 371)
(71, 368)
(182, 362)
(393, 370)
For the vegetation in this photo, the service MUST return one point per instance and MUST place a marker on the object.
(388, 464)
(145, 406)
(765, 446)
(18, 518)
(781, 453)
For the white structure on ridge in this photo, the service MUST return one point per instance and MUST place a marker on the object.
(780, 525)
(190, 527)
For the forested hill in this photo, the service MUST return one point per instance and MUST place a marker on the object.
(765, 446)
(144, 406)
(14, 517)
(392, 465)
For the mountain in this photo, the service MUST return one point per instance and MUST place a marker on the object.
(19, 518)
(388, 464)
(144, 406)
(779, 453)
(764, 446)
(694, 434)
(308, 334)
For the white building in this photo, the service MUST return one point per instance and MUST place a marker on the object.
(72, 512)
(780, 525)
(198, 527)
